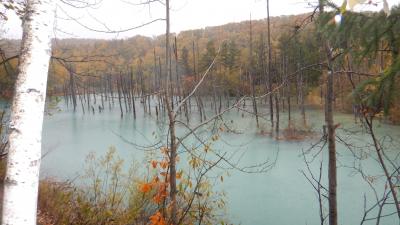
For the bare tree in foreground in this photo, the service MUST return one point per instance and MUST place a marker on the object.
(23, 163)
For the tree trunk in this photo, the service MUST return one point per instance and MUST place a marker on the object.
(331, 136)
(388, 176)
(119, 97)
(177, 76)
(251, 76)
(271, 105)
(86, 90)
(23, 163)
(72, 88)
(123, 91)
(301, 92)
(289, 93)
(277, 114)
(82, 104)
(133, 94)
(171, 116)
(332, 151)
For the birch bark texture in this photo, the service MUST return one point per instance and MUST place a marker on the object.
(24, 155)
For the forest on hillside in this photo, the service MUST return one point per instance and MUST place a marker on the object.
(193, 90)
(294, 40)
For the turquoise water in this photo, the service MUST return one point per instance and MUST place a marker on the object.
(279, 196)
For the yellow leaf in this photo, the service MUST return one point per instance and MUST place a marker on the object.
(179, 175)
(343, 7)
(109, 213)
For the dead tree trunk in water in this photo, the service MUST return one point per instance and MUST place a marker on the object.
(271, 105)
(302, 98)
(111, 89)
(301, 88)
(142, 86)
(107, 85)
(128, 90)
(65, 90)
(288, 93)
(81, 95)
(282, 71)
(197, 96)
(277, 113)
(214, 102)
(119, 97)
(101, 96)
(86, 91)
(251, 76)
(123, 91)
(133, 95)
(72, 87)
(178, 80)
(160, 105)
(276, 96)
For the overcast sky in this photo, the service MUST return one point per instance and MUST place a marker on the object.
(185, 14)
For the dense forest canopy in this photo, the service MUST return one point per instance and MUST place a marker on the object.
(91, 56)
(293, 37)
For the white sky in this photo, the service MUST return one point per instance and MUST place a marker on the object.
(185, 14)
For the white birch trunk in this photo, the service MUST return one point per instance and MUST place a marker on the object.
(23, 163)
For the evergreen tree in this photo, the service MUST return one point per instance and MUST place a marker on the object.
(184, 61)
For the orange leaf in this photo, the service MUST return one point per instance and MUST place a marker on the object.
(158, 198)
(144, 188)
(179, 175)
(164, 164)
(157, 219)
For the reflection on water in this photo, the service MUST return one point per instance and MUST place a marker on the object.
(281, 196)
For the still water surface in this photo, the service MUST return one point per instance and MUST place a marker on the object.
(281, 196)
